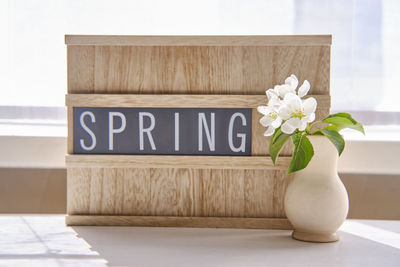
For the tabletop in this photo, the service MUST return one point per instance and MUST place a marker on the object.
(33, 240)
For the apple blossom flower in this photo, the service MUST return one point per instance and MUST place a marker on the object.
(289, 86)
(303, 89)
(292, 81)
(290, 114)
(271, 95)
(283, 89)
(296, 113)
(286, 109)
(271, 119)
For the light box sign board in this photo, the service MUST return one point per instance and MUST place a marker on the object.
(162, 131)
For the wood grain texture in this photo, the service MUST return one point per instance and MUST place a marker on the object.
(137, 191)
(78, 190)
(234, 189)
(164, 161)
(176, 101)
(246, 70)
(171, 221)
(80, 68)
(258, 189)
(176, 192)
(250, 40)
(70, 137)
(179, 71)
(97, 190)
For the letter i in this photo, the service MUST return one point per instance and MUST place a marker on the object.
(176, 131)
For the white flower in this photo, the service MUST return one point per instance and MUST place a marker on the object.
(292, 81)
(285, 108)
(273, 98)
(271, 120)
(296, 113)
(271, 94)
(303, 89)
(289, 86)
(283, 89)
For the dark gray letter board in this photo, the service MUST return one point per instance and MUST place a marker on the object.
(162, 131)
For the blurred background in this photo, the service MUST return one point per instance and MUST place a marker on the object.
(365, 54)
(365, 67)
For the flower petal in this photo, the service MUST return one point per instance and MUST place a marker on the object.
(293, 101)
(274, 103)
(287, 128)
(269, 90)
(265, 110)
(266, 121)
(303, 125)
(304, 88)
(271, 94)
(276, 123)
(284, 89)
(289, 96)
(278, 89)
(309, 105)
(310, 118)
(284, 112)
(270, 131)
(295, 122)
(292, 81)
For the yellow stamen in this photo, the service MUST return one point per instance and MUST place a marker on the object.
(273, 115)
(298, 114)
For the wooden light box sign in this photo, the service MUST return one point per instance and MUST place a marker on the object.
(163, 130)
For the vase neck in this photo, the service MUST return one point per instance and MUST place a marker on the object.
(325, 155)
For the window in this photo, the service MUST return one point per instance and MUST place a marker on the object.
(33, 67)
(364, 54)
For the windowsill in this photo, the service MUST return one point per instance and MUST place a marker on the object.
(30, 128)
(45, 147)
(374, 133)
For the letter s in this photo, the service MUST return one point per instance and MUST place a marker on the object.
(93, 119)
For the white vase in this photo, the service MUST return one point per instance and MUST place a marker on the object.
(316, 201)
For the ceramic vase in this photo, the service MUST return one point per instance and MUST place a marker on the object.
(316, 201)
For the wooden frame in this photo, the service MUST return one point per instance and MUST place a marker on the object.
(250, 40)
(178, 101)
(186, 72)
(175, 221)
(192, 162)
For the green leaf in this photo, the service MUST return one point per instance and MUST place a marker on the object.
(338, 120)
(335, 138)
(278, 140)
(277, 132)
(342, 115)
(341, 121)
(317, 132)
(302, 153)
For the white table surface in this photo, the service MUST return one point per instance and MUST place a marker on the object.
(44, 240)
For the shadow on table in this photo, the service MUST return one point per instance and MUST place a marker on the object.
(140, 246)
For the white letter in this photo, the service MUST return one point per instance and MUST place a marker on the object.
(82, 142)
(242, 136)
(147, 130)
(111, 130)
(176, 131)
(210, 137)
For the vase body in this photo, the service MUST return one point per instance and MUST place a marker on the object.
(316, 201)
